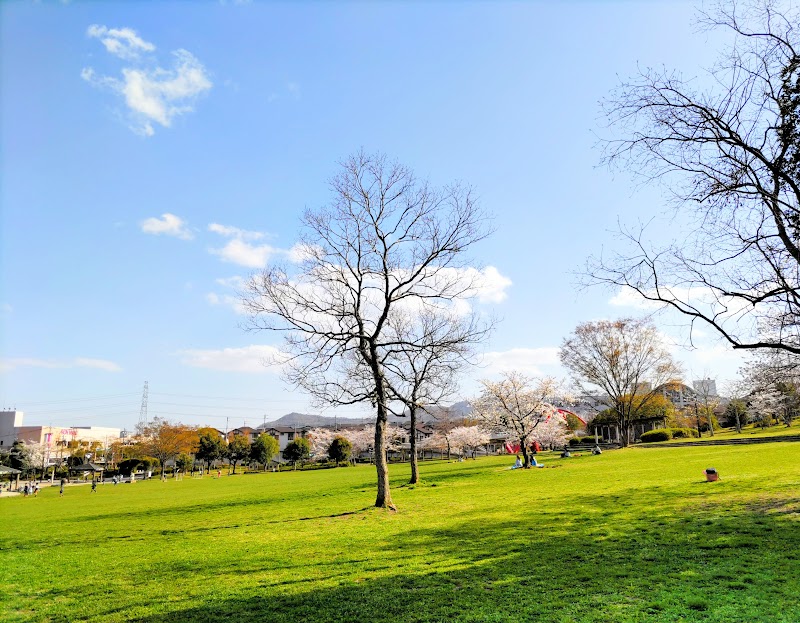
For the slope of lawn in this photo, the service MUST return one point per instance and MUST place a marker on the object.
(632, 535)
(751, 431)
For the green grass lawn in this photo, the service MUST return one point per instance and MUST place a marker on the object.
(632, 535)
(750, 431)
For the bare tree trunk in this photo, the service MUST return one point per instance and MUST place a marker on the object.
(414, 467)
(384, 498)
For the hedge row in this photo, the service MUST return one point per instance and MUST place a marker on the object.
(665, 434)
(576, 441)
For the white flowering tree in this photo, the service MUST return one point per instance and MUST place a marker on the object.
(466, 440)
(551, 433)
(437, 441)
(517, 404)
(34, 456)
(766, 405)
(319, 440)
(361, 439)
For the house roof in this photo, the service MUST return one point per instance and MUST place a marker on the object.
(9, 470)
(282, 429)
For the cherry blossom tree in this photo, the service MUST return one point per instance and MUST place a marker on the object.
(467, 439)
(361, 439)
(319, 440)
(436, 441)
(518, 405)
(552, 433)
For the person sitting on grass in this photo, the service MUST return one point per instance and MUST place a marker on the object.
(596, 450)
(535, 463)
(565, 454)
(517, 463)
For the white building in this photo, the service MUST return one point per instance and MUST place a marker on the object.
(9, 422)
(706, 387)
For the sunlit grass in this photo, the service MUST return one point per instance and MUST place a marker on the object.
(632, 535)
(748, 432)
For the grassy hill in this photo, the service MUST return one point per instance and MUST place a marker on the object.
(632, 535)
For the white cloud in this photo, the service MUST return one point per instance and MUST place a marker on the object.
(300, 252)
(246, 359)
(121, 42)
(168, 225)
(78, 362)
(238, 250)
(6, 308)
(152, 93)
(234, 232)
(234, 282)
(527, 360)
(226, 299)
(628, 297)
(243, 253)
(492, 285)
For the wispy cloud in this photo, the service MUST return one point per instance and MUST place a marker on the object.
(121, 42)
(527, 360)
(78, 362)
(167, 225)
(235, 232)
(151, 93)
(251, 359)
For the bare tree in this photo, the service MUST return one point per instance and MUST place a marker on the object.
(707, 398)
(432, 346)
(517, 404)
(387, 241)
(729, 156)
(625, 359)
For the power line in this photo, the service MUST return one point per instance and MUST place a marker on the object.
(50, 402)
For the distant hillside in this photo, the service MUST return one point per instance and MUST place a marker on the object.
(453, 412)
(456, 411)
(308, 419)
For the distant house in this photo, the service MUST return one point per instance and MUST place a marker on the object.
(283, 434)
(251, 433)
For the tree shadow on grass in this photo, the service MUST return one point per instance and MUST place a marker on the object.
(701, 565)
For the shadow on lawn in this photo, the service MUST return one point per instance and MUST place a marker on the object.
(696, 564)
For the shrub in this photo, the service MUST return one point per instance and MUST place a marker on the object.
(683, 433)
(339, 450)
(128, 465)
(575, 441)
(659, 434)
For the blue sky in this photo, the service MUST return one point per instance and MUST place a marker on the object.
(230, 119)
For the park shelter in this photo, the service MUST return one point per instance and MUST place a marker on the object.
(12, 473)
(86, 468)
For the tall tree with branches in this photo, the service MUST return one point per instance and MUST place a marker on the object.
(729, 155)
(387, 241)
(626, 360)
(432, 346)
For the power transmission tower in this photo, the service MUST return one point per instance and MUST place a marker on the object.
(143, 410)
